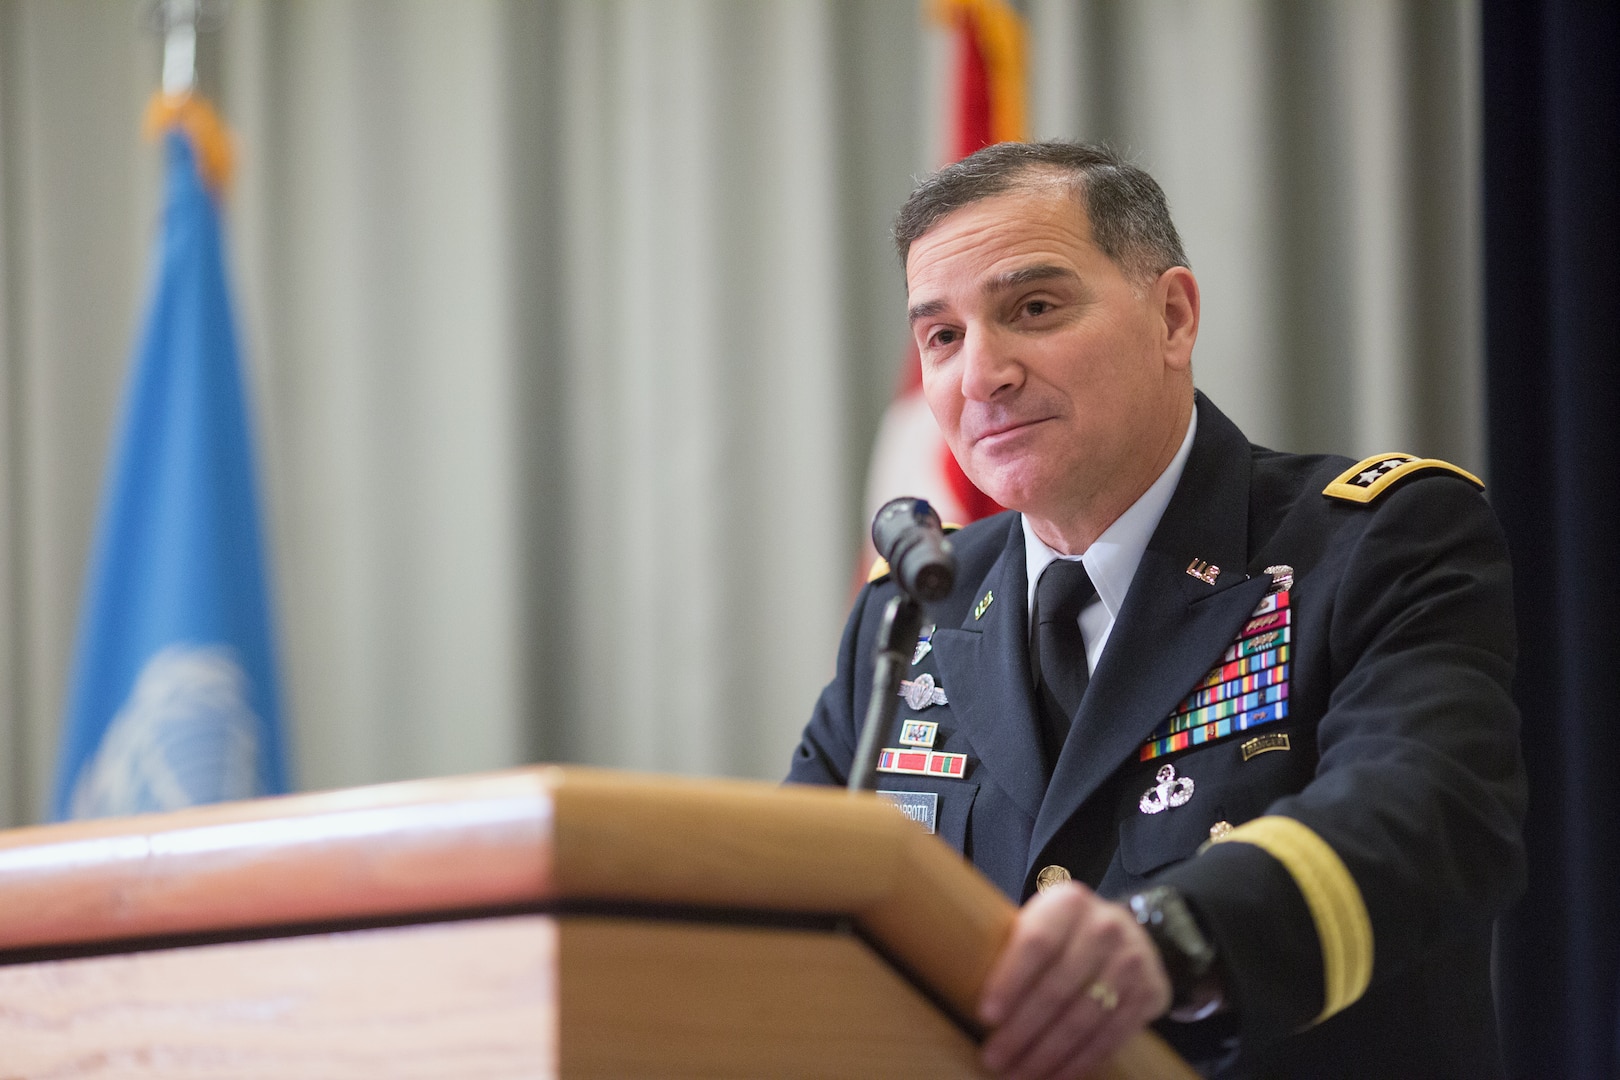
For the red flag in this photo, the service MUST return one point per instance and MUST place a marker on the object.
(909, 456)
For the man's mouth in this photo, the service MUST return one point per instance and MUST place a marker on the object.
(991, 432)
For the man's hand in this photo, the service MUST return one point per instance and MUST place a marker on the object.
(1077, 978)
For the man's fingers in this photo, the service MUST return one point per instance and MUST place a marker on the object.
(1077, 977)
(1049, 1050)
(1103, 1010)
(1040, 935)
(1048, 1004)
(1106, 1038)
(1089, 1031)
(1140, 1002)
(1013, 1051)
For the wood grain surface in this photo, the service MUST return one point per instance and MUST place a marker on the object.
(660, 1000)
(473, 1000)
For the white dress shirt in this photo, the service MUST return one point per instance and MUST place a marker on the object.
(1111, 560)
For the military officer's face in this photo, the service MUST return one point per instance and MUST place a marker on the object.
(1052, 374)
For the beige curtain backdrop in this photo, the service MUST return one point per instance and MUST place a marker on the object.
(569, 324)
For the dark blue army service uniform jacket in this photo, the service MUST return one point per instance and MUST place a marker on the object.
(1371, 822)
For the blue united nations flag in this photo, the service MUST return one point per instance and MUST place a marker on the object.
(173, 698)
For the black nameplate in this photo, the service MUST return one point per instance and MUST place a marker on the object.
(920, 806)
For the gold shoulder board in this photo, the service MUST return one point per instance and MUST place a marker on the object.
(1371, 477)
(880, 568)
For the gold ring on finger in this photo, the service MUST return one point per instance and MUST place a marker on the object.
(1104, 995)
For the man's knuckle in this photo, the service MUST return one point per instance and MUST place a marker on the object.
(1109, 934)
(1069, 899)
(1043, 939)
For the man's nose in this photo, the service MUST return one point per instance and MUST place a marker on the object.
(990, 366)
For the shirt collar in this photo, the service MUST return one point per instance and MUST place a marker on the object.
(1112, 558)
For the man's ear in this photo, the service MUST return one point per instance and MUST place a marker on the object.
(1177, 293)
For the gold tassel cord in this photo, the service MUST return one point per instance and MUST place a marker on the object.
(210, 139)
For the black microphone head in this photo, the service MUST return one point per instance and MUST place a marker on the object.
(896, 516)
(907, 532)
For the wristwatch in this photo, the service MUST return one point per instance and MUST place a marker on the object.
(1189, 956)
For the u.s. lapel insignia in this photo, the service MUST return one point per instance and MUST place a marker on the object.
(1171, 790)
(924, 645)
(922, 692)
(983, 605)
(1203, 571)
(919, 733)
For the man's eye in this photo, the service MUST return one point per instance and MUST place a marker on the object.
(1037, 307)
(943, 337)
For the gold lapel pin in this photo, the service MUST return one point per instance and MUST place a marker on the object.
(1203, 571)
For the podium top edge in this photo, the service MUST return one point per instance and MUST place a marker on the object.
(527, 836)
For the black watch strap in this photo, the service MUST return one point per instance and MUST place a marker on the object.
(1188, 955)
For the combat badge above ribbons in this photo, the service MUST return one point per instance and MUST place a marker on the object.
(922, 692)
(1371, 477)
(1248, 688)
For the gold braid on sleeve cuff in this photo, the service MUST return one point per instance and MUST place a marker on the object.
(1331, 895)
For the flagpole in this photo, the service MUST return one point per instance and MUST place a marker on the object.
(179, 21)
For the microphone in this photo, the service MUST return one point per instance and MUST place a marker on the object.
(907, 532)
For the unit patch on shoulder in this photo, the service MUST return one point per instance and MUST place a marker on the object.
(1367, 479)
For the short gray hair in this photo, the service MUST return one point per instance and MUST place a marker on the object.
(1129, 218)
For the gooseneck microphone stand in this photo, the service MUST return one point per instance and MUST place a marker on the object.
(902, 621)
(906, 532)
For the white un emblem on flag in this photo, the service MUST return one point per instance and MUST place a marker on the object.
(185, 736)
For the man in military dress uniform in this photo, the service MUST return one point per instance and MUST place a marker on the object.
(1234, 724)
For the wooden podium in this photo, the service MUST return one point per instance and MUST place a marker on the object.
(544, 922)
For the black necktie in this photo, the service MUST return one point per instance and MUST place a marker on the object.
(1057, 651)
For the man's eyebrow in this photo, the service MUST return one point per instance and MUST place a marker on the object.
(1026, 275)
(1012, 279)
(925, 310)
